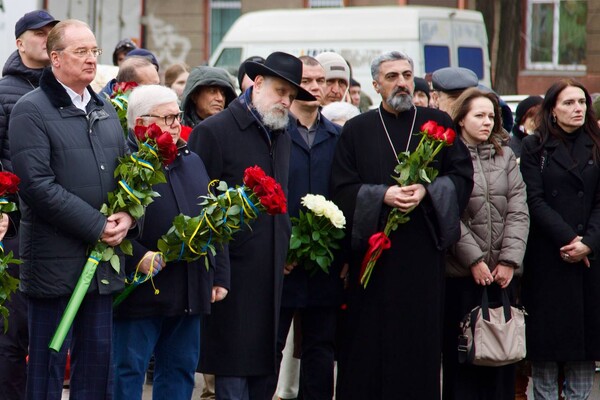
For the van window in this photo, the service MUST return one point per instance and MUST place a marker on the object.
(436, 57)
(230, 59)
(471, 58)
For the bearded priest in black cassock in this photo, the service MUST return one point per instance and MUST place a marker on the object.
(391, 338)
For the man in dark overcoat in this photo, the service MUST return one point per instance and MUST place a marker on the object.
(238, 338)
(314, 295)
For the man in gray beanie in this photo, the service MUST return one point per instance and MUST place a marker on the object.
(337, 76)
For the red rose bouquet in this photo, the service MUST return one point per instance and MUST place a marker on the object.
(223, 214)
(412, 168)
(8, 285)
(136, 174)
(119, 100)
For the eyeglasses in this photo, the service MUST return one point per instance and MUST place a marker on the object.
(169, 119)
(82, 53)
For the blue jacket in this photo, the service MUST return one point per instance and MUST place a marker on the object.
(185, 288)
(310, 170)
(66, 160)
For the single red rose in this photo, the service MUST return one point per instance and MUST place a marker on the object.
(448, 136)
(274, 199)
(153, 131)
(166, 148)
(432, 129)
(253, 176)
(8, 183)
(140, 133)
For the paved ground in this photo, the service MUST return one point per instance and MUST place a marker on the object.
(199, 381)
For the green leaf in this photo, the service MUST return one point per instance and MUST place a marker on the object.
(126, 247)
(316, 235)
(115, 263)
(107, 253)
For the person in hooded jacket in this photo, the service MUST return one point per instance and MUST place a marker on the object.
(20, 75)
(208, 91)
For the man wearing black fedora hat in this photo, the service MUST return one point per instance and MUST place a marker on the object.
(238, 338)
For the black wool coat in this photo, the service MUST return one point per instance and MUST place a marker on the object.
(561, 299)
(238, 338)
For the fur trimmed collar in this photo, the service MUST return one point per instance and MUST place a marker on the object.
(57, 94)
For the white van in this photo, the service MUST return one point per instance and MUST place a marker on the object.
(434, 37)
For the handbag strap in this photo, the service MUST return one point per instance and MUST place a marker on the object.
(485, 305)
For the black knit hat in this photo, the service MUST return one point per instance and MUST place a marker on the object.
(421, 85)
(524, 106)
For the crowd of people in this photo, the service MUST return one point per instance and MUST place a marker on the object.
(514, 208)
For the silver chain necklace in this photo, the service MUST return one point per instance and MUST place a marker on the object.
(410, 134)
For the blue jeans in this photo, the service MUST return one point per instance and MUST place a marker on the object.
(579, 379)
(175, 342)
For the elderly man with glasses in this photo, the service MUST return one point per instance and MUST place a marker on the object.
(65, 143)
(167, 323)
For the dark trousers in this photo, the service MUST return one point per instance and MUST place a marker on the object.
(242, 388)
(13, 349)
(90, 344)
(318, 328)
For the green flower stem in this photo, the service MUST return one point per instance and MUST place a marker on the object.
(85, 279)
(123, 295)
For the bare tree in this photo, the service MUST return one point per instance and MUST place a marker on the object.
(503, 41)
(509, 43)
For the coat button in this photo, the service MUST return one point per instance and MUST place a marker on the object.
(104, 282)
(554, 193)
(102, 167)
(580, 194)
(580, 227)
(590, 162)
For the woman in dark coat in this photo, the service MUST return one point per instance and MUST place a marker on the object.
(561, 280)
(167, 323)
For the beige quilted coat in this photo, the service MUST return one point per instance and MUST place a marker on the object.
(495, 225)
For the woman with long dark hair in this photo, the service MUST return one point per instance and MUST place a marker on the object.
(561, 281)
(490, 251)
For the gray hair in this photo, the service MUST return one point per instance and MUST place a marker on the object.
(143, 99)
(389, 56)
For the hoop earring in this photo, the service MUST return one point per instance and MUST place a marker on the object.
(554, 118)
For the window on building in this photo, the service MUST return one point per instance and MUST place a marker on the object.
(325, 3)
(223, 14)
(556, 34)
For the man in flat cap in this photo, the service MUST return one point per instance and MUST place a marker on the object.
(337, 76)
(392, 338)
(238, 338)
(21, 74)
(449, 83)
